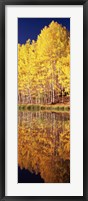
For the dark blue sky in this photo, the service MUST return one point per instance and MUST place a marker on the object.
(31, 27)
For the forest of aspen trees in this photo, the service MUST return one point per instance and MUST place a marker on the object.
(44, 104)
(44, 67)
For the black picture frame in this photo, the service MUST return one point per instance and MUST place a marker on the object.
(2, 97)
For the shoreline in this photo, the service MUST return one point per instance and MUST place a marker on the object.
(36, 107)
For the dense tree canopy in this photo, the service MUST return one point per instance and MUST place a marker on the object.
(44, 66)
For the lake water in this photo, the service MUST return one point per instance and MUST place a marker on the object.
(43, 147)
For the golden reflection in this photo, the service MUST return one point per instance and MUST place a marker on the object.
(44, 145)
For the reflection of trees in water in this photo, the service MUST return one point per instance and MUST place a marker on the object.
(44, 144)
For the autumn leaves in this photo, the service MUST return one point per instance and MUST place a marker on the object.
(44, 66)
(43, 82)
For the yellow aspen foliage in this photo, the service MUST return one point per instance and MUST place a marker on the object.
(44, 65)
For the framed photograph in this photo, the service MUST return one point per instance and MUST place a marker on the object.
(43, 86)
